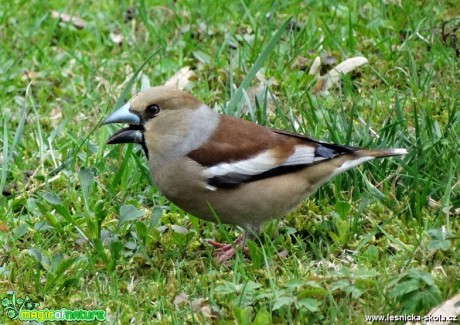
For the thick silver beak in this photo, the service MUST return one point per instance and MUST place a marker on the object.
(123, 115)
(133, 133)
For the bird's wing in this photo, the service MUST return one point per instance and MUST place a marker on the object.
(252, 152)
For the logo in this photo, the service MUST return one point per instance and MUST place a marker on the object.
(25, 309)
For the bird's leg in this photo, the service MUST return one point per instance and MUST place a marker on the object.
(226, 251)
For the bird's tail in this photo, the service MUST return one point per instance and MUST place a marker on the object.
(362, 155)
(380, 153)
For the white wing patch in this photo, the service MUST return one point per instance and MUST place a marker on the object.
(252, 166)
(263, 162)
(301, 156)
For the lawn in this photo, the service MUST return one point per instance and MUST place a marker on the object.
(83, 227)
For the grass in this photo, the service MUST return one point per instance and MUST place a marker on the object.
(82, 226)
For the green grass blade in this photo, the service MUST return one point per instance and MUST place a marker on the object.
(5, 154)
(236, 98)
(9, 151)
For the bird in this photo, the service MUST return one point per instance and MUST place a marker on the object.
(225, 169)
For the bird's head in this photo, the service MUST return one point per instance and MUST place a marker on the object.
(161, 119)
(144, 107)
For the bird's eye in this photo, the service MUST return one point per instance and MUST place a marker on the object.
(152, 109)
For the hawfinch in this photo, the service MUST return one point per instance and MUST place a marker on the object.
(217, 166)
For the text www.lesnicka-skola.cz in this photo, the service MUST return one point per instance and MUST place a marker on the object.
(410, 318)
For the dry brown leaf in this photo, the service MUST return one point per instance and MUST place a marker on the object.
(448, 209)
(300, 63)
(131, 286)
(9, 189)
(327, 59)
(433, 204)
(393, 2)
(56, 113)
(29, 75)
(116, 38)
(101, 82)
(449, 34)
(66, 18)
(181, 79)
(77, 118)
(283, 254)
(181, 299)
(314, 69)
(201, 305)
(206, 311)
(196, 304)
(331, 78)
(3, 227)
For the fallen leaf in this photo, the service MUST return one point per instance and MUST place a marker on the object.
(77, 118)
(9, 189)
(196, 304)
(394, 2)
(450, 34)
(56, 113)
(179, 229)
(202, 57)
(206, 311)
(327, 59)
(432, 203)
(331, 78)
(116, 38)
(181, 299)
(102, 82)
(314, 69)
(283, 254)
(29, 75)
(181, 79)
(131, 286)
(3, 227)
(66, 18)
(202, 27)
(200, 305)
(300, 63)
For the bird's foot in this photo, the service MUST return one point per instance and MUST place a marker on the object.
(224, 252)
